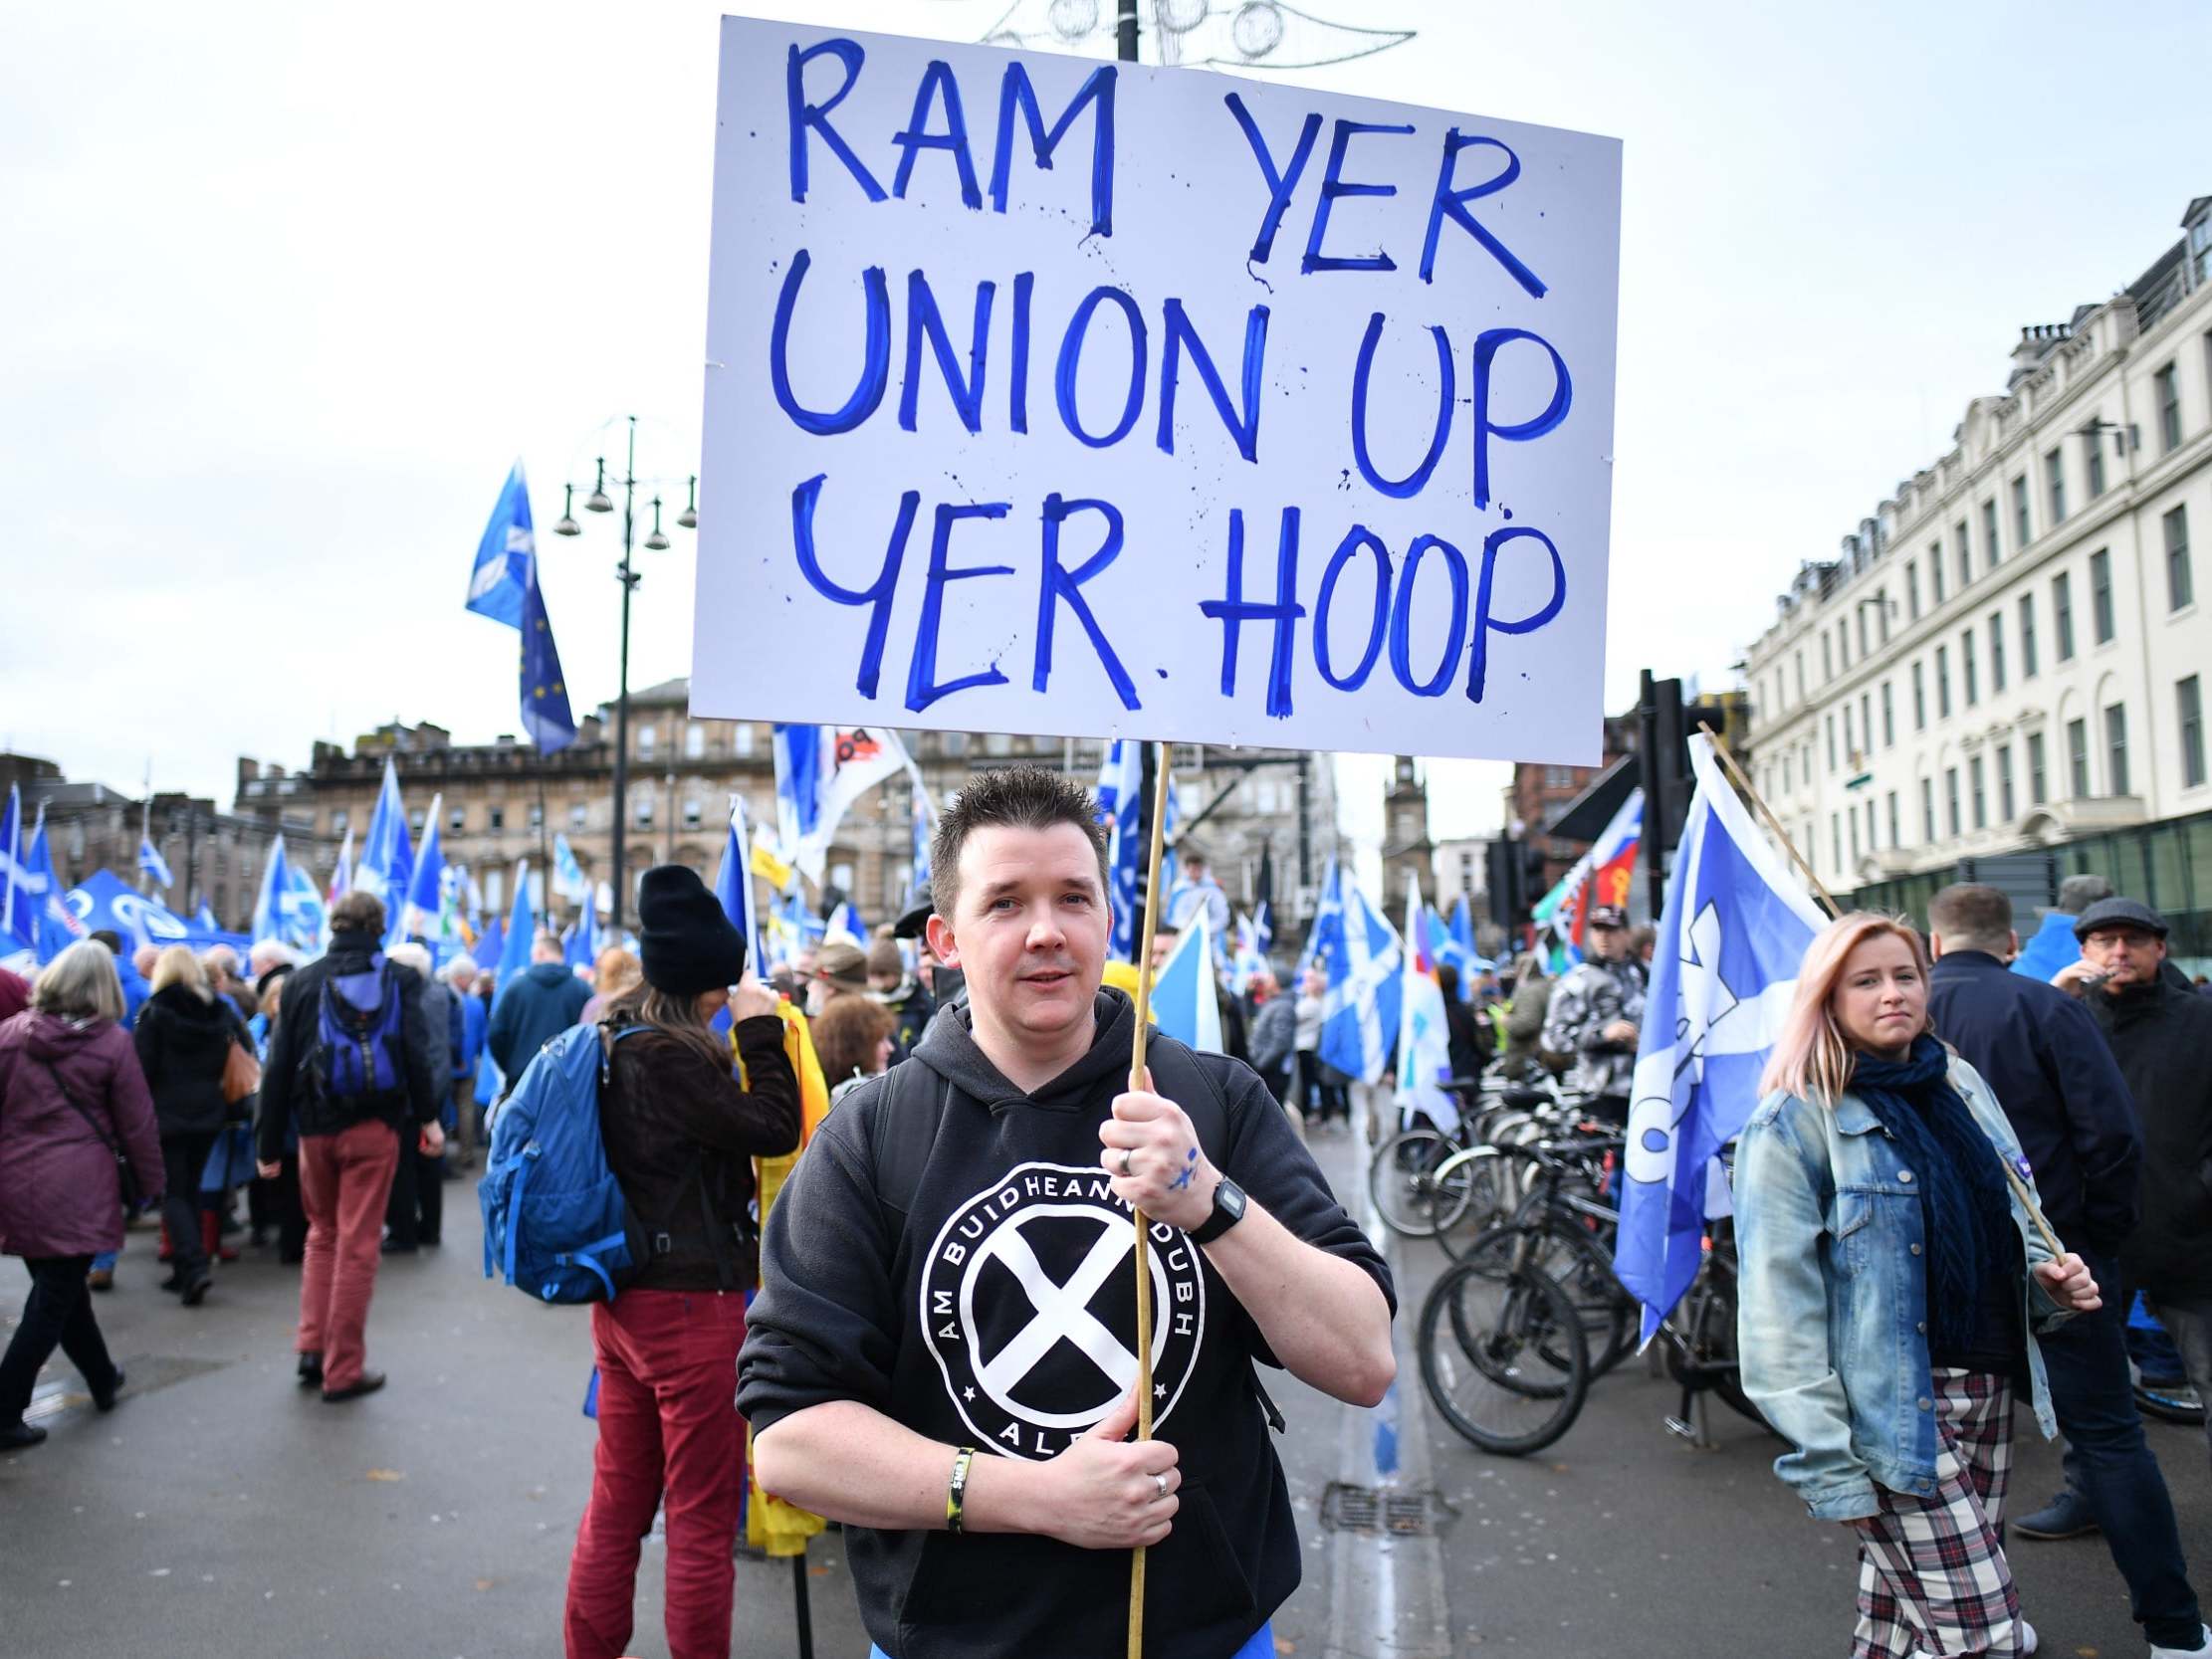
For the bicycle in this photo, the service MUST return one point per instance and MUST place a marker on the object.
(1402, 1173)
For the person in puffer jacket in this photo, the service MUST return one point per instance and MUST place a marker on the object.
(71, 1095)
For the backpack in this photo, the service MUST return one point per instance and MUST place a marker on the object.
(555, 1223)
(903, 1133)
(355, 1050)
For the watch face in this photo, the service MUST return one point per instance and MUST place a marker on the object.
(1228, 1200)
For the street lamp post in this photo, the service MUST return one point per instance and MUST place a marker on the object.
(628, 576)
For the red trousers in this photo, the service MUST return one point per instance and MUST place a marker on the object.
(670, 1437)
(344, 1180)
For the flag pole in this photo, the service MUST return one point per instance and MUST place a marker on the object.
(1163, 780)
(1735, 772)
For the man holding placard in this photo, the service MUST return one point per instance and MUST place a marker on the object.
(941, 1354)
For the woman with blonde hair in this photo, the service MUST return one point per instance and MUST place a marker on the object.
(1891, 1284)
(184, 1036)
(72, 1102)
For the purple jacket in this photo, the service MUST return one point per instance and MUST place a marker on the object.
(58, 1192)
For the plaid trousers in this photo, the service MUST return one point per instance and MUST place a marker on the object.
(1932, 1573)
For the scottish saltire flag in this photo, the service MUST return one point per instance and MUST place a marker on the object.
(341, 878)
(204, 919)
(820, 771)
(582, 946)
(423, 914)
(53, 925)
(921, 877)
(387, 851)
(1263, 923)
(287, 908)
(845, 925)
(507, 557)
(734, 885)
(1735, 927)
(18, 929)
(490, 945)
(522, 927)
(1185, 1003)
(1423, 1044)
(568, 879)
(1247, 960)
(1121, 808)
(1359, 952)
(154, 866)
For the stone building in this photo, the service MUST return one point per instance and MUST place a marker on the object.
(2007, 661)
(1407, 853)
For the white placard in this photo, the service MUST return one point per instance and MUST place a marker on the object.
(1052, 395)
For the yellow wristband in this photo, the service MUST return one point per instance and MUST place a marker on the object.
(955, 1492)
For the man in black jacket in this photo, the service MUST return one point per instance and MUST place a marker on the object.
(2043, 1057)
(942, 1354)
(351, 1069)
(2160, 1032)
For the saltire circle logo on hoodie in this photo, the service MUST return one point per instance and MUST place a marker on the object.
(1029, 1299)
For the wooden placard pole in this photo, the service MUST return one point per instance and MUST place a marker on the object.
(1162, 781)
(1736, 774)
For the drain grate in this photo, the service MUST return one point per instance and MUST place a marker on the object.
(1366, 1509)
(146, 1372)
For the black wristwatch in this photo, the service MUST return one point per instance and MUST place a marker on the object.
(1229, 1209)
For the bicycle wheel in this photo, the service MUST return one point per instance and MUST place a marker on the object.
(1709, 1331)
(1472, 1193)
(1400, 1178)
(1504, 1358)
(1581, 1266)
(2172, 1402)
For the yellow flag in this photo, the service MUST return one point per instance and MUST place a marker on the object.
(769, 863)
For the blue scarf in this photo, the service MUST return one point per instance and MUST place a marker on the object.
(1966, 1213)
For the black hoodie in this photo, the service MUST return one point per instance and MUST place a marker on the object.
(860, 1303)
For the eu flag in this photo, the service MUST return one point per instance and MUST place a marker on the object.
(545, 714)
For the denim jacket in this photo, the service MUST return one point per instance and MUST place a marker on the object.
(1832, 1316)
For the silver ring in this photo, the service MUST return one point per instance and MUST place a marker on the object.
(1127, 1153)
(1160, 1481)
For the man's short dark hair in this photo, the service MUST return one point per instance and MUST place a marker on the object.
(1971, 915)
(360, 911)
(107, 936)
(1018, 797)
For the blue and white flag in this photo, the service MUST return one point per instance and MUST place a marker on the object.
(1359, 952)
(583, 948)
(733, 886)
(1456, 947)
(490, 945)
(507, 557)
(388, 850)
(1424, 1040)
(521, 928)
(423, 914)
(204, 917)
(18, 926)
(1185, 1003)
(1121, 806)
(53, 925)
(1263, 926)
(845, 926)
(568, 879)
(103, 900)
(1247, 960)
(154, 866)
(820, 771)
(287, 908)
(921, 877)
(1733, 934)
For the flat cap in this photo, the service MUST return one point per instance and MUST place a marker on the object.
(2120, 913)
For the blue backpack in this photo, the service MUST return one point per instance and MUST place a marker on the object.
(555, 1222)
(358, 1035)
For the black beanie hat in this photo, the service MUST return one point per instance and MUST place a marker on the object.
(684, 940)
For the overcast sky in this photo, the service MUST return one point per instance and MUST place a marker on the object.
(288, 287)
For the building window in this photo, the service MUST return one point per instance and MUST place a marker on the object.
(2115, 748)
(1866, 722)
(1912, 592)
(997, 742)
(495, 819)
(2093, 461)
(1893, 804)
(495, 889)
(2053, 479)
(1968, 669)
(338, 822)
(2101, 595)
(1920, 700)
(691, 815)
(537, 818)
(2166, 385)
(456, 820)
(1888, 720)
(741, 739)
(695, 740)
(1828, 658)
(1881, 612)
(1787, 787)
(2027, 636)
(1965, 558)
(1974, 771)
(2062, 614)
(841, 877)
(2039, 790)
(2181, 587)
(645, 736)
(580, 814)
(955, 743)
(1936, 568)
(1996, 650)
(1871, 843)
(1850, 744)
(2004, 784)
(641, 812)
(2020, 526)
(1830, 723)
(2189, 699)
(1950, 799)
(1942, 682)
(1836, 841)
(1853, 816)
(414, 822)
(1800, 676)
(1927, 809)
(2077, 757)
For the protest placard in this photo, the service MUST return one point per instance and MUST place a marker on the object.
(1051, 395)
